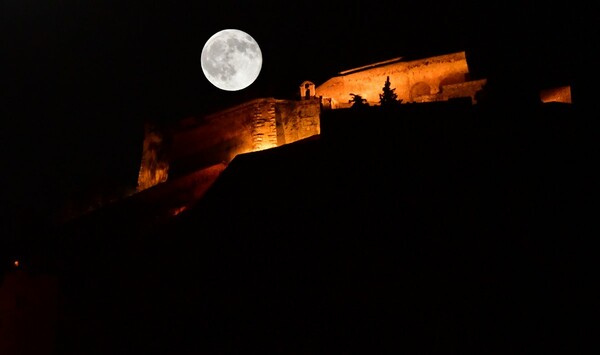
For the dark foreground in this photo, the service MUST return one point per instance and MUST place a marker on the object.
(421, 233)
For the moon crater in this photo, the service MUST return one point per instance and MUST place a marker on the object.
(231, 60)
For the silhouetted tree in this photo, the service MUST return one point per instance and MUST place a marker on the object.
(358, 101)
(388, 97)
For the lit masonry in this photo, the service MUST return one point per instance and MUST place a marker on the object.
(438, 78)
(268, 122)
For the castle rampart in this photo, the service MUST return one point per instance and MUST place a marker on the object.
(421, 80)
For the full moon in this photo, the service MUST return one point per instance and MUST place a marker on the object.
(231, 60)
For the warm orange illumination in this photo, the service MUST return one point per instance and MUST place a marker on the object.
(16, 263)
(438, 78)
(176, 211)
(558, 94)
(154, 168)
(252, 126)
(266, 123)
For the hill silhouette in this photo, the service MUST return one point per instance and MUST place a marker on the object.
(431, 228)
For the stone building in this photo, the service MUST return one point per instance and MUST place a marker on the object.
(438, 78)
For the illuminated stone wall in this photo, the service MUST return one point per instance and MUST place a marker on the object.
(252, 126)
(154, 167)
(219, 137)
(268, 122)
(415, 81)
(263, 126)
(461, 90)
(558, 94)
(297, 120)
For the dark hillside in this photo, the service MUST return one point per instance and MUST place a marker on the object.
(440, 228)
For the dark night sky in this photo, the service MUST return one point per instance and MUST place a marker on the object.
(80, 77)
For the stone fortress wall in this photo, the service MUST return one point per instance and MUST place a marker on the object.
(269, 122)
(438, 78)
(217, 138)
(558, 94)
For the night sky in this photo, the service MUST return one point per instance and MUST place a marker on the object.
(79, 78)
